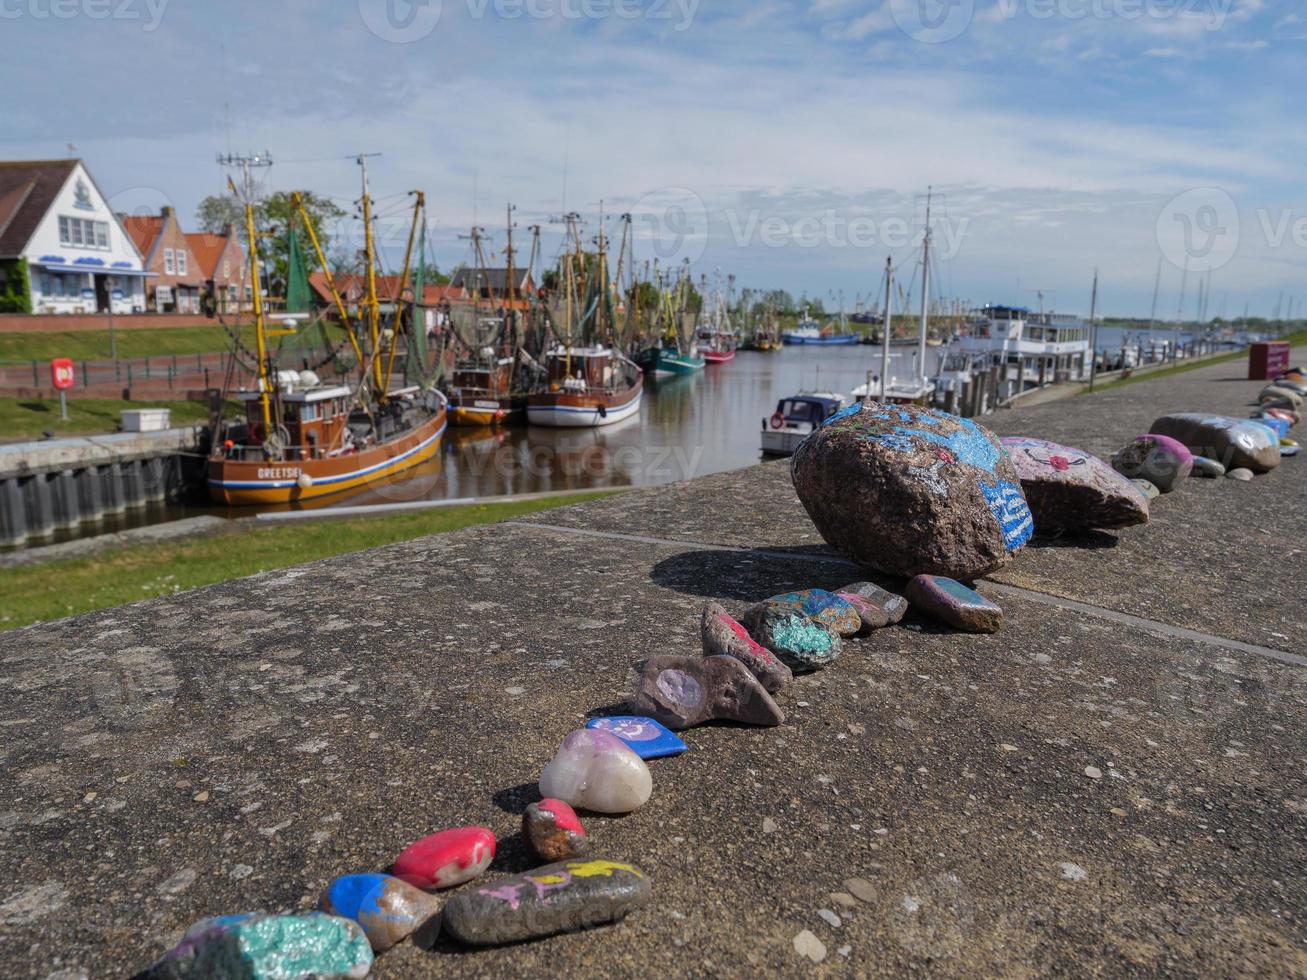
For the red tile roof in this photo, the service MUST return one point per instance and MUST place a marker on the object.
(207, 249)
(353, 287)
(143, 229)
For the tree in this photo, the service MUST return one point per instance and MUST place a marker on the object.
(216, 213)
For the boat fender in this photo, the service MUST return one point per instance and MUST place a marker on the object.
(603, 411)
(304, 481)
(778, 421)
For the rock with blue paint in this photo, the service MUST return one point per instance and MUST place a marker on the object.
(953, 603)
(387, 908)
(1162, 461)
(820, 606)
(722, 635)
(801, 643)
(1234, 443)
(1069, 489)
(682, 692)
(1146, 488)
(562, 897)
(257, 946)
(1207, 467)
(881, 607)
(643, 736)
(595, 770)
(908, 490)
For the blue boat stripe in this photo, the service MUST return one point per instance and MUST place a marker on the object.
(568, 408)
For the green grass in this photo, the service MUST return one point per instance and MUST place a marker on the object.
(24, 418)
(85, 345)
(1295, 340)
(33, 594)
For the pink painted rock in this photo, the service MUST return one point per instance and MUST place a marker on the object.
(884, 608)
(446, 858)
(1069, 489)
(723, 636)
(554, 831)
(1162, 461)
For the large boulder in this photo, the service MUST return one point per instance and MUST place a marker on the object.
(910, 490)
(1233, 443)
(1070, 490)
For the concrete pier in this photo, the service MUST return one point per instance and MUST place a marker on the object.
(1112, 785)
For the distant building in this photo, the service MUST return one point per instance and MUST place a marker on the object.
(62, 249)
(493, 283)
(224, 269)
(178, 279)
(353, 288)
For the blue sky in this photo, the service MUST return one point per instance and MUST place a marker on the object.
(789, 143)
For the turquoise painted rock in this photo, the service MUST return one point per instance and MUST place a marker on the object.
(817, 604)
(388, 909)
(681, 692)
(1147, 489)
(1240, 473)
(1207, 467)
(909, 490)
(723, 636)
(889, 608)
(1233, 443)
(256, 946)
(953, 603)
(562, 897)
(801, 643)
(1162, 461)
(1069, 489)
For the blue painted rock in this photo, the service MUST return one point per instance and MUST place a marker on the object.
(595, 770)
(388, 909)
(1240, 473)
(1145, 488)
(682, 692)
(446, 858)
(554, 831)
(801, 643)
(909, 490)
(562, 897)
(723, 636)
(643, 736)
(890, 608)
(952, 602)
(256, 946)
(818, 605)
(1231, 442)
(1277, 425)
(1070, 490)
(1161, 460)
(1207, 467)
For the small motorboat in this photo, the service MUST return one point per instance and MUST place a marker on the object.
(795, 419)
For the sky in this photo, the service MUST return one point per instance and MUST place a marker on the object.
(789, 143)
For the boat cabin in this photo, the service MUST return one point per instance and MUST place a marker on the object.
(315, 420)
(795, 419)
(582, 369)
(485, 377)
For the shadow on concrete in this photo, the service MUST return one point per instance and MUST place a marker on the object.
(751, 576)
(515, 799)
(1088, 540)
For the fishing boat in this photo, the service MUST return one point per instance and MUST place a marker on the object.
(674, 351)
(481, 392)
(808, 331)
(718, 346)
(795, 419)
(302, 438)
(715, 335)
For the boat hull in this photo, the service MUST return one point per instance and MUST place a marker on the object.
(566, 410)
(248, 482)
(718, 357)
(834, 340)
(668, 363)
(487, 412)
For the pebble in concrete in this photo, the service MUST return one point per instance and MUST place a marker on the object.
(1207, 467)
(681, 692)
(807, 945)
(561, 897)
(723, 636)
(802, 644)
(595, 770)
(288, 947)
(388, 909)
(820, 606)
(892, 607)
(1240, 473)
(554, 831)
(1161, 460)
(952, 602)
(446, 858)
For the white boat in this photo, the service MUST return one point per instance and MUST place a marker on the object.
(588, 387)
(795, 419)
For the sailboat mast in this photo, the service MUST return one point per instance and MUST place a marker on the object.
(885, 334)
(259, 330)
(374, 307)
(1093, 331)
(925, 295)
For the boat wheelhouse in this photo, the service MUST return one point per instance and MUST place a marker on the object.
(587, 387)
(796, 418)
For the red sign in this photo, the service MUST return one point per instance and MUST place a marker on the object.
(61, 373)
(1268, 360)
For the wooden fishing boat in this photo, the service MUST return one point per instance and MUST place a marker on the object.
(588, 387)
(482, 393)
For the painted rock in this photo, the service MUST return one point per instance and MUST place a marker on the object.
(1277, 425)
(1070, 490)
(1240, 473)
(723, 636)
(554, 831)
(1231, 442)
(446, 858)
(388, 908)
(802, 644)
(817, 604)
(909, 490)
(683, 691)
(1293, 384)
(952, 602)
(1160, 460)
(268, 947)
(1149, 491)
(870, 616)
(1290, 416)
(562, 897)
(1278, 392)
(892, 607)
(1207, 467)
(643, 736)
(595, 770)
(1288, 447)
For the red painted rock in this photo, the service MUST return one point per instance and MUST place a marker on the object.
(1070, 490)
(446, 858)
(952, 602)
(724, 637)
(1286, 414)
(554, 831)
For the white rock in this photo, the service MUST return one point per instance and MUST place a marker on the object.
(807, 944)
(831, 918)
(595, 770)
(1072, 872)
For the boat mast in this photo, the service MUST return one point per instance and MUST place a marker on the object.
(259, 328)
(419, 207)
(374, 306)
(510, 314)
(925, 295)
(1093, 331)
(885, 334)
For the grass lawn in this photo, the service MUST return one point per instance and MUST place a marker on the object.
(24, 418)
(64, 588)
(86, 345)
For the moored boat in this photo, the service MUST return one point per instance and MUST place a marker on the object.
(588, 387)
(808, 331)
(795, 419)
(667, 361)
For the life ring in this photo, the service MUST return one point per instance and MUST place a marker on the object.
(778, 421)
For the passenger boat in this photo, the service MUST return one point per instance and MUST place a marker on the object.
(301, 438)
(795, 419)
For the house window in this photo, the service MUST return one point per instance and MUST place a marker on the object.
(181, 262)
(226, 270)
(162, 296)
(102, 234)
(167, 262)
(65, 233)
(83, 232)
(77, 231)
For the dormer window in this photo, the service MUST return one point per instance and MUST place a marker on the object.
(168, 265)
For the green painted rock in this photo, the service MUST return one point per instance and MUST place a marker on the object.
(817, 604)
(952, 602)
(1207, 467)
(256, 946)
(800, 642)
